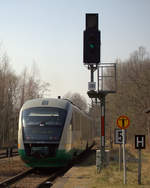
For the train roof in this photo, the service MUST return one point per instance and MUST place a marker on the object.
(52, 102)
(46, 102)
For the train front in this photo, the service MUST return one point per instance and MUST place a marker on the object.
(39, 136)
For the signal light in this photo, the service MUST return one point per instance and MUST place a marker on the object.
(91, 48)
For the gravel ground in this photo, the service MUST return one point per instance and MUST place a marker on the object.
(10, 167)
(13, 166)
(31, 181)
(80, 175)
(74, 178)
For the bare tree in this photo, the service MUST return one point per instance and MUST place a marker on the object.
(8, 82)
(77, 99)
(14, 91)
(31, 86)
(132, 96)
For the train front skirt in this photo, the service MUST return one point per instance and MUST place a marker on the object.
(62, 158)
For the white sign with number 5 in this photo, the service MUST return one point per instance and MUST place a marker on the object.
(118, 137)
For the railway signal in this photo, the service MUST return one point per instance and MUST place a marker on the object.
(123, 123)
(139, 144)
(139, 141)
(91, 48)
(118, 136)
(92, 58)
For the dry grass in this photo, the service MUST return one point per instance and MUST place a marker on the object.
(111, 177)
(84, 175)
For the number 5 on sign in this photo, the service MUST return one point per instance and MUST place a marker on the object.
(119, 137)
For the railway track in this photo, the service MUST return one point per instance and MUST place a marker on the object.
(32, 178)
(15, 178)
(3, 155)
(49, 181)
(8, 152)
(40, 179)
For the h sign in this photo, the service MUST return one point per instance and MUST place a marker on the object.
(139, 141)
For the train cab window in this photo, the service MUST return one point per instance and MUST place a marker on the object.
(40, 123)
(47, 116)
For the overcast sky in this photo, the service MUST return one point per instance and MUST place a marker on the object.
(50, 32)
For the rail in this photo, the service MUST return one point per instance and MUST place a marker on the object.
(52, 177)
(8, 152)
(15, 178)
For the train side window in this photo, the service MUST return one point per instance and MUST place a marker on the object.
(76, 121)
(73, 121)
(83, 127)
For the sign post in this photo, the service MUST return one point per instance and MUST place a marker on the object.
(139, 144)
(119, 140)
(123, 123)
(124, 157)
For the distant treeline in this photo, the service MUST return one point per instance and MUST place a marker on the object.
(133, 95)
(14, 91)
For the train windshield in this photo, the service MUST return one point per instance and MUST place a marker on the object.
(43, 123)
(44, 116)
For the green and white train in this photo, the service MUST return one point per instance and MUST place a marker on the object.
(53, 131)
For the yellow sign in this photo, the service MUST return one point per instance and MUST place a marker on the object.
(123, 122)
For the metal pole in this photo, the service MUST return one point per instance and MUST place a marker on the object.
(139, 168)
(92, 73)
(111, 141)
(98, 79)
(124, 156)
(120, 159)
(103, 130)
(102, 82)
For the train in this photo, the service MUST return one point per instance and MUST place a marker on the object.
(52, 132)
